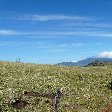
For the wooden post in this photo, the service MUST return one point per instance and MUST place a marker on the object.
(56, 101)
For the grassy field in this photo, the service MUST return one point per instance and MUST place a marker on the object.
(84, 89)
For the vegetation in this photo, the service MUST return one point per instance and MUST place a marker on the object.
(83, 89)
(96, 63)
(99, 63)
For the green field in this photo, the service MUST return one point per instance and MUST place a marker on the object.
(84, 89)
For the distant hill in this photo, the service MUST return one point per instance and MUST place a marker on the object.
(85, 62)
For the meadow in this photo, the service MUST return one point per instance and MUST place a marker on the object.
(83, 89)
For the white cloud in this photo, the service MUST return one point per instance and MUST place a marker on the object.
(7, 32)
(24, 44)
(57, 50)
(49, 45)
(14, 32)
(105, 54)
(48, 34)
(61, 33)
(53, 17)
(104, 34)
(94, 24)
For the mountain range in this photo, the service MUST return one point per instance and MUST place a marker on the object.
(85, 62)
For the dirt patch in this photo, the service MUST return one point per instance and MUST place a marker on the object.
(19, 104)
(108, 107)
(48, 95)
(31, 94)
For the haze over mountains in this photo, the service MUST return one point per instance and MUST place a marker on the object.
(102, 57)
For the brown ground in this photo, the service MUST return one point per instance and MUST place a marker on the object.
(108, 107)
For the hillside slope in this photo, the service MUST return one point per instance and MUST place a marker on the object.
(84, 89)
(85, 62)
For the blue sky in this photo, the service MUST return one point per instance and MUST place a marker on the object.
(52, 31)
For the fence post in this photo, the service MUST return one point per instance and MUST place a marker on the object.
(56, 101)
